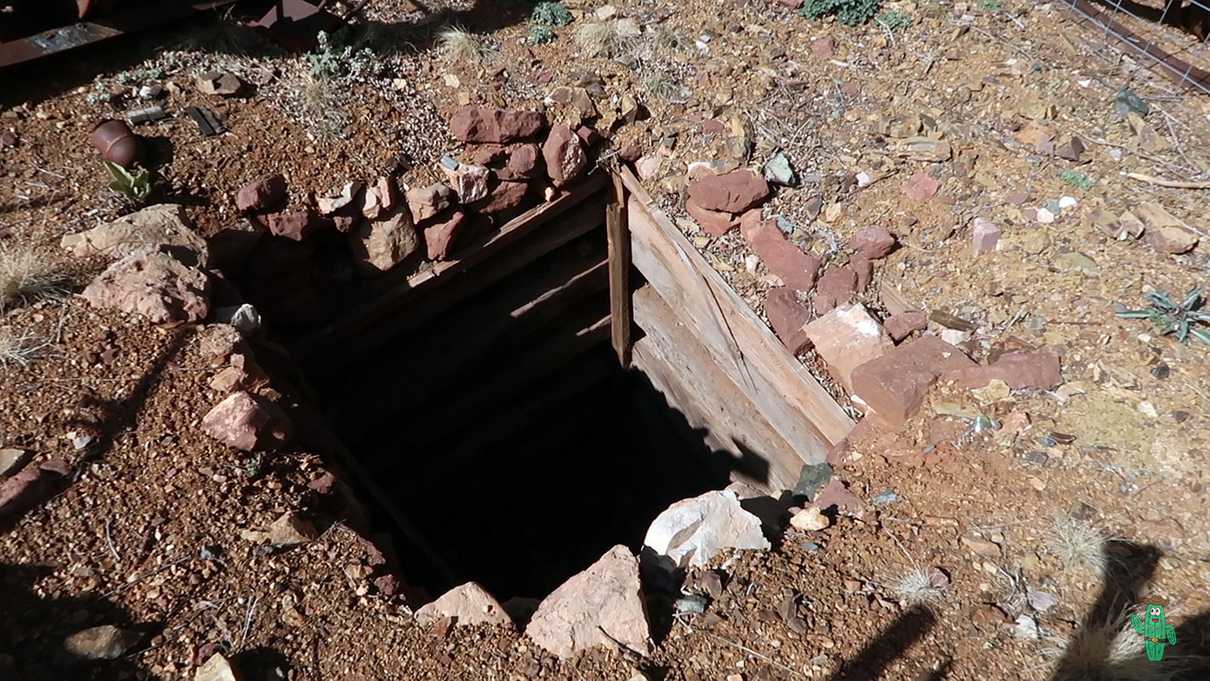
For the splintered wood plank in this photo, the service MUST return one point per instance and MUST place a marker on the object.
(424, 294)
(618, 235)
(685, 371)
(780, 388)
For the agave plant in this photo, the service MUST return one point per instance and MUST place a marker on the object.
(1183, 319)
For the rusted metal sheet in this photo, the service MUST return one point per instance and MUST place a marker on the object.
(294, 24)
(127, 18)
(1173, 67)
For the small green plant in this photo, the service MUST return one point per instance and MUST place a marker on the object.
(335, 59)
(1077, 179)
(550, 14)
(1183, 319)
(540, 35)
(991, 5)
(136, 186)
(893, 20)
(847, 12)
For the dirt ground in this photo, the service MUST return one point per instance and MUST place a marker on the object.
(1033, 539)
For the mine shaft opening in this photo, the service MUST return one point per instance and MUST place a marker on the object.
(506, 433)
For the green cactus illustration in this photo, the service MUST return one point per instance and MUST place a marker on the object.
(1154, 627)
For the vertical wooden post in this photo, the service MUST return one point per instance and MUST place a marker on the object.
(618, 235)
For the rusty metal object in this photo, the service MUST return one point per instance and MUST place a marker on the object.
(117, 143)
(1171, 66)
(126, 17)
(294, 24)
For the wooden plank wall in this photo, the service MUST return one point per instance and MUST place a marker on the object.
(790, 415)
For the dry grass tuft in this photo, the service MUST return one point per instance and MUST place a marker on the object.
(1078, 544)
(597, 39)
(918, 588)
(20, 350)
(459, 45)
(26, 276)
(1112, 651)
(322, 108)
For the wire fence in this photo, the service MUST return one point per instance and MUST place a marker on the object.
(1169, 37)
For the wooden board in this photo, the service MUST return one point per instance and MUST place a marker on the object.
(681, 368)
(618, 235)
(781, 389)
(418, 299)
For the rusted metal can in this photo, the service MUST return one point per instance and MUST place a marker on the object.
(117, 143)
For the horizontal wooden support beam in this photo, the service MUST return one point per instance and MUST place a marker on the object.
(425, 294)
(451, 357)
(783, 391)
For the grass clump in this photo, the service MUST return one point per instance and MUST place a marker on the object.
(847, 12)
(1112, 651)
(20, 350)
(26, 276)
(459, 45)
(1077, 544)
(597, 39)
(918, 587)
(322, 108)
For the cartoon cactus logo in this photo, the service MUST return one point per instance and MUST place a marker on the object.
(1153, 626)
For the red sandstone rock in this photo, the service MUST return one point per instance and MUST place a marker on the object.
(921, 187)
(469, 604)
(713, 222)
(470, 182)
(564, 156)
(505, 199)
(836, 494)
(383, 244)
(295, 225)
(795, 268)
(441, 236)
(29, 487)
(835, 287)
(380, 198)
(895, 384)
(787, 316)
(902, 325)
(1037, 370)
(873, 243)
(734, 192)
(846, 338)
(247, 422)
(601, 606)
(154, 285)
(488, 154)
(523, 162)
(498, 126)
(265, 194)
(427, 202)
(864, 269)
